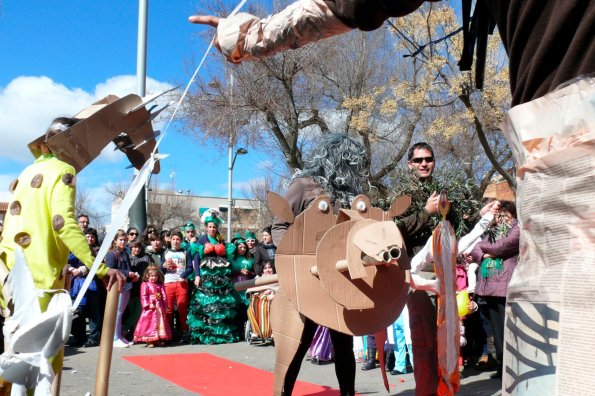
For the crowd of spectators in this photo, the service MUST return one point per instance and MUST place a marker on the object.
(197, 290)
(176, 256)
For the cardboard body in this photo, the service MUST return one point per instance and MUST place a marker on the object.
(358, 305)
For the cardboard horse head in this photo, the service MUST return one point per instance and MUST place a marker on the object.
(124, 121)
(345, 271)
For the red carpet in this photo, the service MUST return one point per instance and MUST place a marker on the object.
(210, 375)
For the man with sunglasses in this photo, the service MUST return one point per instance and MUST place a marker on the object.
(421, 304)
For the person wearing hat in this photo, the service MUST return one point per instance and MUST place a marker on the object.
(41, 223)
(242, 262)
(251, 241)
(190, 238)
(242, 269)
(214, 302)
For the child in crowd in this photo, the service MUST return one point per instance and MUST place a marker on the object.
(153, 326)
(166, 238)
(156, 249)
(139, 261)
(178, 265)
(118, 259)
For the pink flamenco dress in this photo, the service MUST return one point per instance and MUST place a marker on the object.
(152, 325)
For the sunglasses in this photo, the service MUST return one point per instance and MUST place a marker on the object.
(419, 160)
(133, 233)
(250, 240)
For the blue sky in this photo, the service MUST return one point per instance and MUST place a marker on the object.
(60, 56)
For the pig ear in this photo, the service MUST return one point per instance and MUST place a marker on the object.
(280, 207)
(399, 206)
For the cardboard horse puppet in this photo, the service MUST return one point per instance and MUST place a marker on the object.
(345, 271)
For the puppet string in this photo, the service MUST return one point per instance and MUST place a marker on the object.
(139, 181)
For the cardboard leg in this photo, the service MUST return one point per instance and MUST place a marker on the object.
(107, 342)
(380, 338)
(288, 328)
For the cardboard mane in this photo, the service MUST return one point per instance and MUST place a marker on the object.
(124, 121)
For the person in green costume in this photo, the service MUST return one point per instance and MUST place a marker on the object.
(41, 222)
(242, 261)
(190, 242)
(214, 302)
(242, 268)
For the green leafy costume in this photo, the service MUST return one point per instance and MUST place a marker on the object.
(213, 304)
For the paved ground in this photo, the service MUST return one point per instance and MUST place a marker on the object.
(127, 379)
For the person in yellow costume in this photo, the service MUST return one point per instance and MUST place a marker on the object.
(41, 221)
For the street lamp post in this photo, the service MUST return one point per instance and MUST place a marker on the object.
(232, 161)
(138, 210)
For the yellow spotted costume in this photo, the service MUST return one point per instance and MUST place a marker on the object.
(41, 221)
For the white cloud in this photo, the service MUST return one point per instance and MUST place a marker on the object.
(29, 103)
(5, 180)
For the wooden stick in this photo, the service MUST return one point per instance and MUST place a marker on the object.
(341, 265)
(261, 281)
(57, 382)
(107, 342)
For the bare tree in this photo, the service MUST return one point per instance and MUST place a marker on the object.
(256, 191)
(280, 103)
(117, 190)
(168, 210)
(359, 83)
(84, 204)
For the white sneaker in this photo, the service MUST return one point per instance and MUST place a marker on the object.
(120, 344)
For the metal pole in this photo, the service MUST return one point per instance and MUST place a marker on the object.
(141, 51)
(230, 167)
(138, 210)
(229, 187)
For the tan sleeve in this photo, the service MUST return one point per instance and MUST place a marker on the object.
(245, 36)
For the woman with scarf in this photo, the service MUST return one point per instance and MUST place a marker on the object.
(265, 251)
(498, 254)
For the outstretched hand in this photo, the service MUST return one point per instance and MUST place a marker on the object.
(210, 20)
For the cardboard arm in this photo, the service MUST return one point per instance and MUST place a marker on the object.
(367, 261)
(261, 281)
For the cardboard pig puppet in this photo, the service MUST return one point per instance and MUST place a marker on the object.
(345, 271)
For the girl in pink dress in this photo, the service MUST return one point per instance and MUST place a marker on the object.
(152, 327)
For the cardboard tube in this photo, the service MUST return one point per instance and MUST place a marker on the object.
(261, 281)
(107, 342)
(341, 265)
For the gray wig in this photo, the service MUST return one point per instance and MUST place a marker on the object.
(340, 165)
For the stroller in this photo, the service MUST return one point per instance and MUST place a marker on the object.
(258, 327)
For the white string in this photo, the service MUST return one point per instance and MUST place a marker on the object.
(139, 181)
